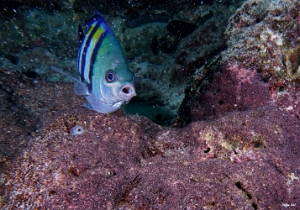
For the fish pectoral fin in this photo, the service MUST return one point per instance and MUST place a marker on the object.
(89, 106)
(64, 73)
(81, 89)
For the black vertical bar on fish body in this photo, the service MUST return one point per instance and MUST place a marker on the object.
(95, 53)
(86, 46)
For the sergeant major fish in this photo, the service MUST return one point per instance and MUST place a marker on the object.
(104, 77)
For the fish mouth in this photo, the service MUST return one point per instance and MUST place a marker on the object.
(126, 92)
(107, 108)
(114, 104)
(118, 103)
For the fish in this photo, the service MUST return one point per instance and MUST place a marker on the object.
(105, 79)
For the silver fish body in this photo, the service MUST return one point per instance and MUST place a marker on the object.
(105, 79)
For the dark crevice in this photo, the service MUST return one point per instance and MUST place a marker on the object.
(240, 186)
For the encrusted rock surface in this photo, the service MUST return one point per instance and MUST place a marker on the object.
(243, 160)
(261, 65)
(232, 89)
(24, 109)
(264, 36)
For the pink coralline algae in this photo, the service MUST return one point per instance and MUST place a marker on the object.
(233, 88)
(260, 67)
(264, 36)
(246, 159)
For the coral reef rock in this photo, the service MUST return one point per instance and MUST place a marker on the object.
(264, 36)
(260, 66)
(246, 159)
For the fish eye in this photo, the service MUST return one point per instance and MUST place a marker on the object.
(110, 76)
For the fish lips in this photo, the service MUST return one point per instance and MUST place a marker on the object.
(99, 105)
(126, 92)
(108, 104)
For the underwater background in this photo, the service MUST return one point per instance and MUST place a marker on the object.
(154, 36)
(215, 123)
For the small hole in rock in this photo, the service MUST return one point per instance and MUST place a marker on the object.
(281, 89)
(52, 192)
(221, 102)
(257, 144)
(238, 185)
(207, 150)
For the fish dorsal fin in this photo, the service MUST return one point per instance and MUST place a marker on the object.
(97, 17)
(80, 88)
